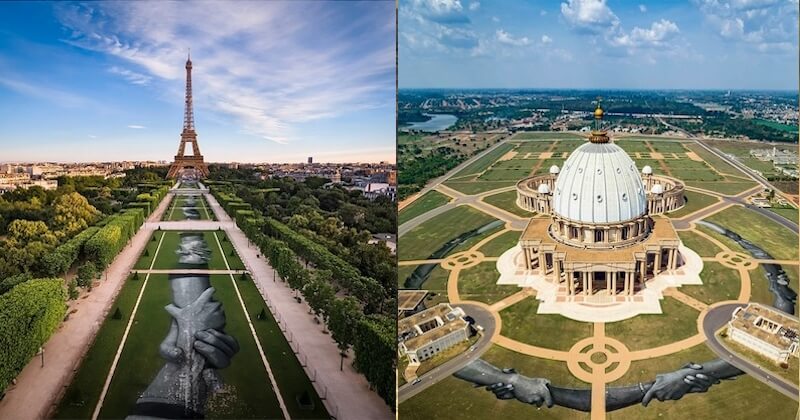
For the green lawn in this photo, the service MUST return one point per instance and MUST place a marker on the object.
(723, 187)
(477, 187)
(730, 243)
(403, 272)
(469, 243)
(522, 323)
(699, 244)
(168, 259)
(788, 213)
(538, 135)
(719, 283)
(777, 240)
(81, 395)
(676, 322)
(289, 374)
(483, 163)
(424, 204)
(247, 392)
(731, 399)
(715, 162)
(694, 201)
(480, 283)
(501, 244)
(423, 240)
(175, 210)
(436, 283)
(633, 146)
(664, 146)
(504, 174)
(759, 291)
(508, 202)
(452, 397)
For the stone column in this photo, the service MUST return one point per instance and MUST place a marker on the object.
(585, 283)
(608, 282)
(657, 263)
(570, 282)
(613, 283)
(557, 269)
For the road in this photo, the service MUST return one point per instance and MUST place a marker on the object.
(715, 319)
(484, 319)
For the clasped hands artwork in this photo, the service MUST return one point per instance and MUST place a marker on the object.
(195, 346)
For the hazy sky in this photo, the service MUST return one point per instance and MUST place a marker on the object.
(698, 44)
(273, 81)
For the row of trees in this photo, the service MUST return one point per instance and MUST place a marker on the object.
(371, 336)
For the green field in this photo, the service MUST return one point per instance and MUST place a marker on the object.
(247, 392)
(522, 323)
(719, 283)
(424, 204)
(694, 201)
(789, 213)
(534, 135)
(168, 258)
(724, 187)
(508, 202)
(731, 399)
(477, 187)
(699, 244)
(436, 283)
(180, 204)
(777, 126)
(760, 285)
(777, 240)
(676, 322)
(484, 162)
(480, 283)
(451, 395)
(423, 240)
(665, 146)
(501, 244)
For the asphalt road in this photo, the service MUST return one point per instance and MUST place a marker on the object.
(482, 318)
(715, 319)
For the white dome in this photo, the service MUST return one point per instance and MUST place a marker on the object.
(657, 189)
(554, 169)
(544, 189)
(599, 183)
(647, 170)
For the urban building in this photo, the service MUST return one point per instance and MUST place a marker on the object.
(410, 301)
(766, 331)
(429, 332)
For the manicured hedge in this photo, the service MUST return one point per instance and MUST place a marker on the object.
(376, 354)
(29, 314)
(61, 259)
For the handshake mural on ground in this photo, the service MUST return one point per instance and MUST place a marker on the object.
(194, 348)
(507, 384)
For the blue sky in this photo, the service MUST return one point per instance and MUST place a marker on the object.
(273, 82)
(697, 44)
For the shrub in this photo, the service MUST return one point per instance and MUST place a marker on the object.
(29, 314)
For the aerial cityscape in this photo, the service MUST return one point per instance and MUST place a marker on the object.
(611, 232)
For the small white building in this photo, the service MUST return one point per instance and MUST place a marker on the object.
(766, 331)
(429, 332)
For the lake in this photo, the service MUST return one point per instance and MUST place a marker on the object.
(438, 122)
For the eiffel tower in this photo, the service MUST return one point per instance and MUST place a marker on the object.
(191, 165)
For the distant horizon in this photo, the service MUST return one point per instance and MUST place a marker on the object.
(19, 162)
(605, 89)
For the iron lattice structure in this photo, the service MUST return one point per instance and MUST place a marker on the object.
(194, 161)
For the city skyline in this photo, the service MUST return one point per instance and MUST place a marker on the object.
(273, 82)
(599, 44)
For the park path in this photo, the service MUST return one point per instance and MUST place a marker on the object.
(39, 388)
(347, 392)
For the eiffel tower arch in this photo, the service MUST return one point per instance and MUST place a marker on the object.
(190, 166)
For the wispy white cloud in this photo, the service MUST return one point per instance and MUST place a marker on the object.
(643, 8)
(546, 39)
(269, 65)
(473, 6)
(765, 25)
(136, 126)
(508, 39)
(38, 90)
(131, 76)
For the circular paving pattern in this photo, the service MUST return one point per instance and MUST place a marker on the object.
(598, 358)
(736, 260)
(461, 260)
